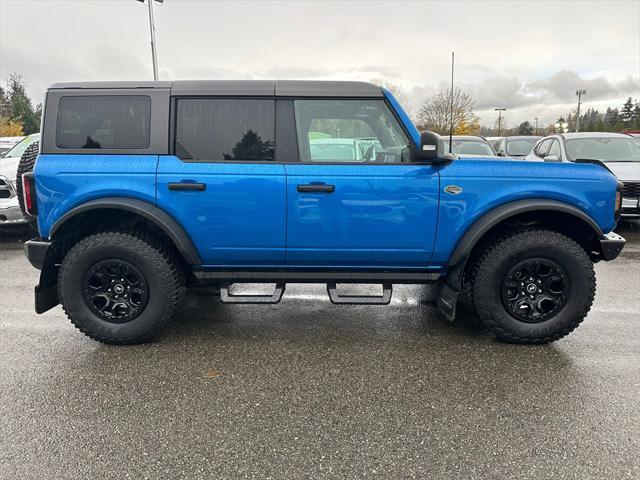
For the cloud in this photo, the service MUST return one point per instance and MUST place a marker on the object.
(561, 87)
(547, 97)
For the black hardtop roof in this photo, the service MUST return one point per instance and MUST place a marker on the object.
(280, 88)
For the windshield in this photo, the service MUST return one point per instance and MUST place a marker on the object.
(605, 149)
(469, 147)
(521, 147)
(19, 148)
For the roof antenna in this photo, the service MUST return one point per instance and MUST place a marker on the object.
(451, 107)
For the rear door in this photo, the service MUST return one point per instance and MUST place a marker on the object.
(354, 197)
(222, 182)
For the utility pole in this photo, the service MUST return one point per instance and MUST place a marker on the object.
(579, 93)
(499, 110)
(152, 28)
(536, 119)
(451, 106)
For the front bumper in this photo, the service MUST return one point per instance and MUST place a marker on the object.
(611, 244)
(630, 207)
(36, 251)
(10, 213)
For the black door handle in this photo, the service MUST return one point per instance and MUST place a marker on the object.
(316, 188)
(200, 187)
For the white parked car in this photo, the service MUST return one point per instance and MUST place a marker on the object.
(7, 143)
(10, 213)
(619, 151)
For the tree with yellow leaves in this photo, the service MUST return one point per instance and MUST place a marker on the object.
(9, 128)
(437, 114)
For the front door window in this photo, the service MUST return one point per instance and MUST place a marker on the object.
(349, 131)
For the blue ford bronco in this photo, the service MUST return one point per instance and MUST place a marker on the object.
(141, 189)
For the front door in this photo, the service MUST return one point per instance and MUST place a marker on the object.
(355, 199)
(222, 185)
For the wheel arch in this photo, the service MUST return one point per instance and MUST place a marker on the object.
(141, 209)
(554, 214)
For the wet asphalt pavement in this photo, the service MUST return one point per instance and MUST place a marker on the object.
(305, 389)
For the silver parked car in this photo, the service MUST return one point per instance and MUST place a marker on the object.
(468, 146)
(515, 147)
(619, 151)
(10, 213)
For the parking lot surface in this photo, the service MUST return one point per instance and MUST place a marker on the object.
(305, 389)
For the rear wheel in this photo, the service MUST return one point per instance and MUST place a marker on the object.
(533, 287)
(120, 288)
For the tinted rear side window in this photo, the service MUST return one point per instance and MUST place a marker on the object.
(103, 122)
(217, 129)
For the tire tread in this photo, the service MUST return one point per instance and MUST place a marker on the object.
(494, 251)
(138, 241)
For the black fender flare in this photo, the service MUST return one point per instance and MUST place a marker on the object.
(159, 217)
(482, 225)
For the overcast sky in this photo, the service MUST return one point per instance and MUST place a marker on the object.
(527, 56)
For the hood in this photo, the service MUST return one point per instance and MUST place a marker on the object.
(625, 171)
(487, 157)
(9, 167)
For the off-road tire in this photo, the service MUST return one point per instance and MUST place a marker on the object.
(504, 253)
(157, 263)
(26, 164)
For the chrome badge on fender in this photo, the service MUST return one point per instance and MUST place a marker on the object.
(453, 189)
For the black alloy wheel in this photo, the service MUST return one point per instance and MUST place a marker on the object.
(115, 290)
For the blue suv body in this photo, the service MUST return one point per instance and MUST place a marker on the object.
(259, 181)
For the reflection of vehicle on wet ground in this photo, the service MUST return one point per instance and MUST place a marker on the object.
(620, 152)
(469, 146)
(515, 147)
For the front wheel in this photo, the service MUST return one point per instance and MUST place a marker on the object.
(120, 288)
(533, 287)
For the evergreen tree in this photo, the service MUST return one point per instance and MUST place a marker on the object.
(525, 128)
(636, 116)
(611, 120)
(20, 107)
(5, 104)
(251, 147)
(626, 114)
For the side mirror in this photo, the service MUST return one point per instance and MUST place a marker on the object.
(430, 149)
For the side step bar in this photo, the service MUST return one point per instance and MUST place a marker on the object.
(337, 299)
(227, 297)
(387, 290)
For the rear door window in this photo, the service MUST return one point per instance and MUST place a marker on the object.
(222, 129)
(103, 122)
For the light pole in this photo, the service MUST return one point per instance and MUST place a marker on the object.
(536, 119)
(579, 93)
(499, 110)
(152, 28)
